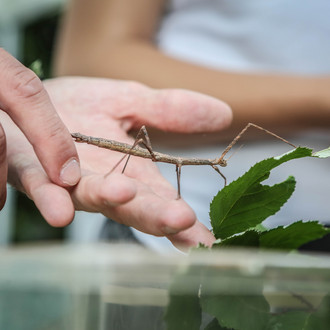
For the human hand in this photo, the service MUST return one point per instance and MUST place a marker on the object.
(24, 99)
(3, 167)
(110, 109)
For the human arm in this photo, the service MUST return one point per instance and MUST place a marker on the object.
(110, 109)
(115, 39)
(24, 99)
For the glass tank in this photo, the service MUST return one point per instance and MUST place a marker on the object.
(118, 287)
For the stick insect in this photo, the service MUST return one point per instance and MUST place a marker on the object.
(147, 152)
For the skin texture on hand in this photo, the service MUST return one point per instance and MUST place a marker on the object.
(140, 198)
(24, 99)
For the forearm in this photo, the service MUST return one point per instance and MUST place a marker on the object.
(118, 44)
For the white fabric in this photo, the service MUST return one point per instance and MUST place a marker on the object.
(255, 35)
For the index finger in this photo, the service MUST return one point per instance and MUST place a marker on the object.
(25, 100)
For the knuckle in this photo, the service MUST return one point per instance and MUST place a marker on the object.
(55, 128)
(26, 83)
(20, 81)
(56, 132)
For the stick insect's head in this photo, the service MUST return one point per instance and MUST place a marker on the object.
(222, 162)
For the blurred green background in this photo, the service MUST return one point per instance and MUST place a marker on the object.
(38, 41)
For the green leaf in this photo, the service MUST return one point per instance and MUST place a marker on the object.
(298, 320)
(249, 238)
(245, 203)
(36, 67)
(303, 320)
(260, 228)
(258, 203)
(322, 153)
(183, 311)
(214, 325)
(250, 312)
(295, 320)
(281, 238)
(292, 236)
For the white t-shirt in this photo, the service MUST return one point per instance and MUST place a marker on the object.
(276, 36)
(255, 35)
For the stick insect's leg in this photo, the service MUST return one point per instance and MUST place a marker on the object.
(142, 137)
(147, 142)
(144, 140)
(178, 176)
(224, 178)
(122, 158)
(220, 160)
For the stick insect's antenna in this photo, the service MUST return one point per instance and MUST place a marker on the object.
(221, 159)
(235, 152)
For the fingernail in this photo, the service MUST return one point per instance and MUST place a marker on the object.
(70, 173)
(170, 231)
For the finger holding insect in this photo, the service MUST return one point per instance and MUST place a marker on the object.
(96, 193)
(149, 208)
(151, 213)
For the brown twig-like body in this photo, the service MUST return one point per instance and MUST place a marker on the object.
(140, 152)
(147, 152)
